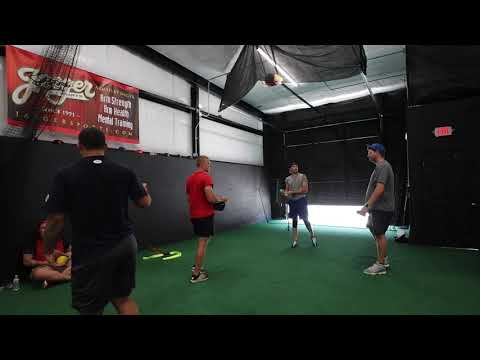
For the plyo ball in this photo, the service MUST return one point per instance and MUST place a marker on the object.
(62, 260)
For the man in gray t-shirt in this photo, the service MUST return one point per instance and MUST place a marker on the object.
(296, 189)
(380, 204)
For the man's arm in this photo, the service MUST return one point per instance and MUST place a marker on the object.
(377, 193)
(55, 224)
(139, 192)
(212, 197)
(146, 200)
(29, 261)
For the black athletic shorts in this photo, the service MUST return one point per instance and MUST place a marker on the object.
(379, 221)
(111, 276)
(203, 227)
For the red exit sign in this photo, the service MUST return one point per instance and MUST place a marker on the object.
(443, 131)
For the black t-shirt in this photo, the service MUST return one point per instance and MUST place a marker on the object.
(94, 193)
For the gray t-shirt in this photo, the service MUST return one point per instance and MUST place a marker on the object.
(383, 173)
(295, 183)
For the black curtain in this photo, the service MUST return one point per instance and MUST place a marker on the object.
(442, 73)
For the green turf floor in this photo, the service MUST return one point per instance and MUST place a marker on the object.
(253, 271)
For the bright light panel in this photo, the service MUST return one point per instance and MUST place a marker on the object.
(333, 215)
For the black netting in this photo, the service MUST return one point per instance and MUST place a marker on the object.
(49, 86)
(304, 63)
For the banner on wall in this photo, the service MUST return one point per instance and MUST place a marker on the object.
(88, 100)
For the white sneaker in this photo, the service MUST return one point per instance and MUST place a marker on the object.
(386, 263)
(199, 278)
(294, 244)
(376, 269)
(314, 241)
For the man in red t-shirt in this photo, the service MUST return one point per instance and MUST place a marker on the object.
(201, 199)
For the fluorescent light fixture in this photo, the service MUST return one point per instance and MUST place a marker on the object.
(280, 70)
(336, 215)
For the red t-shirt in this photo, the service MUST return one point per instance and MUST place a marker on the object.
(200, 207)
(39, 254)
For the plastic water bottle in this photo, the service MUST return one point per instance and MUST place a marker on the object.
(16, 283)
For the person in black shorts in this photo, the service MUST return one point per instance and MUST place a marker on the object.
(380, 204)
(201, 200)
(94, 193)
(296, 190)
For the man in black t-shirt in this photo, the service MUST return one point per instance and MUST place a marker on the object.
(94, 193)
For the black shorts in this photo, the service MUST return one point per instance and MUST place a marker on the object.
(109, 277)
(298, 208)
(379, 221)
(203, 227)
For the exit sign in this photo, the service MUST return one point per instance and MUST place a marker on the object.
(443, 131)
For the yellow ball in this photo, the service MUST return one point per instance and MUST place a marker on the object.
(62, 260)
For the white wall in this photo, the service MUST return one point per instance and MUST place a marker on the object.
(162, 129)
(232, 113)
(165, 130)
(224, 143)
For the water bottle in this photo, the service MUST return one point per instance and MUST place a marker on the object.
(16, 283)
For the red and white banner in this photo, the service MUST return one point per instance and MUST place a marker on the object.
(88, 100)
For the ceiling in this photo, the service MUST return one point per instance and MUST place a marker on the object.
(386, 71)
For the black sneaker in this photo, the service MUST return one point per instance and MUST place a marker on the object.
(199, 278)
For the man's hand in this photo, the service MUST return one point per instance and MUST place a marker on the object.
(145, 186)
(57, 253)
(50, 259)
(363, 211)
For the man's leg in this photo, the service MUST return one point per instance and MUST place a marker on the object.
(294, 231)
(310, 230)
(309, 227)
(376, 241)
(46, 273)
(381, 248)
(201, 251)
(125, 306)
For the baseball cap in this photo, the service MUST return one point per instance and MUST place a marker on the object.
(377, 147)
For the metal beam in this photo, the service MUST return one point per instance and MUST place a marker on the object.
(230, 123)
(302, 99)
(334, 141)
(166, 63)
(194, 96)
(377, 107)
(165, 101)
(328, 125)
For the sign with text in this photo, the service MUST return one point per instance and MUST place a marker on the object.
(443, 131)
(86, 100)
